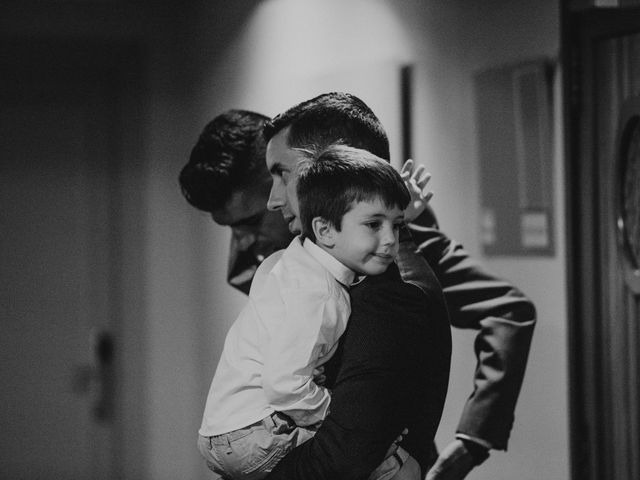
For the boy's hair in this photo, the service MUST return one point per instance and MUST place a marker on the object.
(328, 119)
(330, 184)
(229, 155)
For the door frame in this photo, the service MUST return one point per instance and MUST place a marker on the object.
(589, 431)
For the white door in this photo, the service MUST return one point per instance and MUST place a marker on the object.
(57, 215)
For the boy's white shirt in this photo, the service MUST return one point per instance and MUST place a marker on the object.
(297, 310)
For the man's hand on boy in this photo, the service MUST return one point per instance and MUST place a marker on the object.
(416, 179)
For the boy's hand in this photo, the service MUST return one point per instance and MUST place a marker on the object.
(318, 376)
(416, 180)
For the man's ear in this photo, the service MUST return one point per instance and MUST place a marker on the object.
(324, 231)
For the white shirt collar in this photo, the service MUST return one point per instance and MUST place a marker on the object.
(342, 273)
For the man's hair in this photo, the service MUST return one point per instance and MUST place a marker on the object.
(331, 118)
(229, 155)
(330, 184)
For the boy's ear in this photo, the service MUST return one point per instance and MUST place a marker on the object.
(323, 230)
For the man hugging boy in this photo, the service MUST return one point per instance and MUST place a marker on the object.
(263, 400)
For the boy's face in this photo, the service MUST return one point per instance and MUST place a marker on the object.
(367, 242)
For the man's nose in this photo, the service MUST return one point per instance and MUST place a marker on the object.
(276, 196)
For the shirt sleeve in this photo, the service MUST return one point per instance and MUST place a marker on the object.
(505, 320)
(307, 335)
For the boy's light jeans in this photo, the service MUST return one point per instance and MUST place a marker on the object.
(250, 453)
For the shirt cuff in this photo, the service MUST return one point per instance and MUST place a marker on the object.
(479, 441)
(477, 448)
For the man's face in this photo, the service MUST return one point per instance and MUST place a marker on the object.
(282, 163)
(253, 227)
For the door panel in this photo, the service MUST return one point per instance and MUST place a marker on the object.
(617, 85)
(604, 164)
(57, 255)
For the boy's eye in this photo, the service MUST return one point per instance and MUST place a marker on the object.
(373, 225)
(396, 226)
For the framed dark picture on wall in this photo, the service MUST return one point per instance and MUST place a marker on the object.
(514, 118)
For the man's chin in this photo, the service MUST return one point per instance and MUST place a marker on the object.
(294, 227)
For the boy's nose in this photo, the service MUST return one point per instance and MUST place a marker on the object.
(388, 236)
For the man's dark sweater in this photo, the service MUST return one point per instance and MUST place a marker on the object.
(391, 371)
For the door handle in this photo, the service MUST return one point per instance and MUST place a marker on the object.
(104, 355)
(97, 379)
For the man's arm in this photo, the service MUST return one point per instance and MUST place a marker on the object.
(505, 319)
(382, 358)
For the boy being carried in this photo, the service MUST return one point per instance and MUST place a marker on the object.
(263, 399)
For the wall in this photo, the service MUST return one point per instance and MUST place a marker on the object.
(265, 56)
(494, 34)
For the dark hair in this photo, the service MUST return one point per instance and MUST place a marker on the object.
(230, 154)
(329, 184)
(331, 118)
